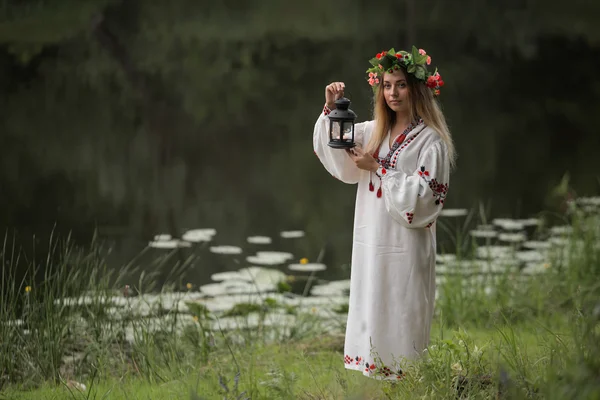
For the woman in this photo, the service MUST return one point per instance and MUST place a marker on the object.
(402, 165)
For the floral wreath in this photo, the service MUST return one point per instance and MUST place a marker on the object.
(415, 63)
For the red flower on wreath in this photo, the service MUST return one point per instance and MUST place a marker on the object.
(432, 82)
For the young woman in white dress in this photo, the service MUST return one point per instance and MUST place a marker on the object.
(401, 166)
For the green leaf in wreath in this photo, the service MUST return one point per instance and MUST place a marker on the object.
(420, 72)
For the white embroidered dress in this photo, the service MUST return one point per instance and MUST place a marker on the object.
(392, 289)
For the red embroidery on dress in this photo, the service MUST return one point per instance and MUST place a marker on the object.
(326, 110)
(439, 189)
(410, 216)
(429, 224)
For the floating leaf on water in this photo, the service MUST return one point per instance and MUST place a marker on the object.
(169, 244)
(236, 287)
(559, 241)
(310, 267)
(162, 237)
(444, 258)
(454, 212)
(226, 250)
(535, 268)
(488, 227)
(270, 258)
(259, 240)
(530, 221)
(508, 224)
(494, 252)
(537, 245)
(199, 235)
(262, 275)
(561, 230)
(486, 234)
(512, 237)
(529, 256)
(264, 261)
(335, 288)
(224, 276)
(589, 201)
(292, 234)
(275, 254)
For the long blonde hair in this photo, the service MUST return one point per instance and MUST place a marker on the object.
(421, 103)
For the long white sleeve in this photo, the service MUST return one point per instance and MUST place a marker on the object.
(336, 161)
(416, 200)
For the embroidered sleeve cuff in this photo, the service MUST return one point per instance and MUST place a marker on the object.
(326, 110)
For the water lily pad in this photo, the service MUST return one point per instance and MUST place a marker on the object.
(162, 237)
(199, 235)
(530, 221)
(292, 234)
(269, 258)
(561, 230)
(494, 252)
(454, 212)
(226, 250)
(537, 245)
(335, 288)
(529, 256)
(509, 224)
(236, 287)
(444, 258)
(275, 254)
(512, 237)
(169, 244)
(308, 267)
(262, 275)
(589, 201)
(259, 240)
(535, 268)
(225, 276)
(485, 234)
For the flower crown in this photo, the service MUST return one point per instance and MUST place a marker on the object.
(415, 63)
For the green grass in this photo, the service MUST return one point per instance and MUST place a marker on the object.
(310, 369)
(537, 338)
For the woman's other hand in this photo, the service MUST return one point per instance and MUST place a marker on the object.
(363, 160)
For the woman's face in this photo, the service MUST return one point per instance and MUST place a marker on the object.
(395, 90)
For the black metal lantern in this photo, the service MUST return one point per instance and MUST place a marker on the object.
(341, 125)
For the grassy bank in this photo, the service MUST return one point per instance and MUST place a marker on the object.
(518, 326)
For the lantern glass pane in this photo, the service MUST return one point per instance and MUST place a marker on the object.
(347, 130)
(335, 134)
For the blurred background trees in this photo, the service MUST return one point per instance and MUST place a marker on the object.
(141, 117)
